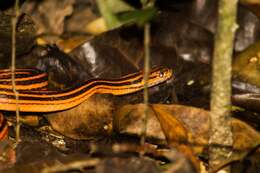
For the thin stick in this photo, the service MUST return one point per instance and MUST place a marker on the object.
(146, 75)
(14, 25)
(76, 165)
(146, 3)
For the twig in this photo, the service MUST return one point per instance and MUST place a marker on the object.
(78, 165)
(146, 3)
(146, 75)
(14, 25)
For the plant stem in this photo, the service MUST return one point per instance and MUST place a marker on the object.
(146, 3)
(14, 26)
(220, 124)
(146, 75)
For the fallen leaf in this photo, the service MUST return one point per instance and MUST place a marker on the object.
(128, 120)
(186, 128)
(7, 154)
(91, 119)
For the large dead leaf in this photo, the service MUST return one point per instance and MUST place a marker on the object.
(128, 120)
(174, 122)
(186, 128)
(177, 135)
(194, 120)
(92, 118)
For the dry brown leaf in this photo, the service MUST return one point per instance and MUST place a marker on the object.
(245, 140)
(193, 127)
(172, 128)
(194, 120)
(185, 125)
(91, 119)
(245, 137)
(69, 44)
(128, 120)
(181, 124)
(49, 16)
(175, 132)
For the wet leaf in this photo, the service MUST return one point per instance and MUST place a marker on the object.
(249, 101)
(102, 60)
(204, 13)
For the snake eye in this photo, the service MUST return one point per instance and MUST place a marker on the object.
(161, 74)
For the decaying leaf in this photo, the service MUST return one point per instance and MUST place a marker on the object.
(186, 128)
(191, 124)
(7, 154)
(68, 45)
(128, 120)
(91, 119)
(176, 133)
(245, 137)
(49, 15)
(174, 130)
